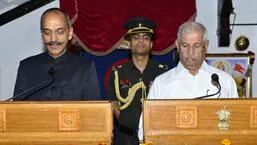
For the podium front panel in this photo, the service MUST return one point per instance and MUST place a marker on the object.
(56, 123)
(200, 122)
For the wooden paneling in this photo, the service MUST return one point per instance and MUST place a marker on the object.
(195, 122)
(56, 123)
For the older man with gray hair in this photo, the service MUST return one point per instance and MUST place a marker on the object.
(192, 77)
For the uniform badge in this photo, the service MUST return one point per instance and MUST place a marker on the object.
(165, 67)
(150, 84)
(125, 84)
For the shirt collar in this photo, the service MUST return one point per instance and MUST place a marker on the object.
(204, 67)
(148, 65)
(59, 59)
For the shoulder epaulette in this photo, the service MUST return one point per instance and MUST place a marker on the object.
(116, 67)
(165, 67)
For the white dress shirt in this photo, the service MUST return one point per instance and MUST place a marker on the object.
(178, 83)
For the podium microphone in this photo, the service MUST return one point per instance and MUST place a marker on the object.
(36, 88)
(215, 81)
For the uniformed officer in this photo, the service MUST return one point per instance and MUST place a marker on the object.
(130, 82)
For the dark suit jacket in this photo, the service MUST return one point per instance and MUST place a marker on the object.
(75, 78)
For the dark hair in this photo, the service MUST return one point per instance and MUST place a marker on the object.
(56, 10)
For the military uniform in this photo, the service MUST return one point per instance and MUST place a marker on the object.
(130, 87)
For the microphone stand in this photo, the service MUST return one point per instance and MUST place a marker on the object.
(215, 79)
(202, 97)
(35, 88)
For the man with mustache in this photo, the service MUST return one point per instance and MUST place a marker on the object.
(64, 76)
(191, 78)
(130, 82)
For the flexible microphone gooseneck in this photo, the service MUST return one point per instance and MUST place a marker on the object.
(215, 80)
(34, 89)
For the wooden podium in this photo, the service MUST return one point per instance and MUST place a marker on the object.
(56, 123)
(200, 122)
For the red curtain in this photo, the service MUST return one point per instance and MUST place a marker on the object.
(98, 24)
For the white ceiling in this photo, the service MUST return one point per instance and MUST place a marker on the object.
(6, 5)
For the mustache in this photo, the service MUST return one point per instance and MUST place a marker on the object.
(190, 57)
(54, 43)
